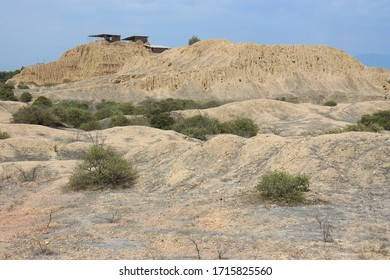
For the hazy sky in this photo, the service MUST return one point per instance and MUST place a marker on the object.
(41, 30)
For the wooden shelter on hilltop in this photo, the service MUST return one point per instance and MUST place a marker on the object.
(137, 38)
(157, 49)
(108, 37)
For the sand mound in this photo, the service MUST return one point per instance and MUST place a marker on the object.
(287, 119)
(228, 71)
(215, 66)
(85, 61)
(212, 69)
(189, 189)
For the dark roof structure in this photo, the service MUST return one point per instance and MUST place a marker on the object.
(157, 49)
(108, 37)
(136, 38)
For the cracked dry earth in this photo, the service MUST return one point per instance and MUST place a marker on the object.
(190, 191)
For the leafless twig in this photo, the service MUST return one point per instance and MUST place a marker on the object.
(27, 176)
(51, 216)
(196, 246)
(98, 138)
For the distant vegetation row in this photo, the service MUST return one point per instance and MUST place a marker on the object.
(6, 91)
(154, 113)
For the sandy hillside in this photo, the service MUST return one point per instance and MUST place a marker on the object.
(85, 61)
(191, 191)
(211, 69)
(203, 191)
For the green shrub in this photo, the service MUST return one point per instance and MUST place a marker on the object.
(194, 39)
(330, 103)
(356, 127)
(25, 97)
(162, 121)
(6, 75)
(104, 113)
(91, 125)
(200, 126)
(73, 105)
(37, 115)
(381, 118)
(209, 104)
(280, 186)
(43, 101)
(363, 128)
(368, 123)
(242, 127)
(4, 135)
(151, 107)
(101, 168)
(7, 93)
(139, 120)
(195, 132)
(21, 86)
(105, 104)
(106, 109)
(126, 108)
(209, 125)
(74, 116)
(119, 120)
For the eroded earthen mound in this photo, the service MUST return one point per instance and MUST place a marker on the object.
(214, 69)
(85, 61)
(189, 189)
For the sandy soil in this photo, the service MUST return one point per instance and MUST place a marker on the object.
(201, 191)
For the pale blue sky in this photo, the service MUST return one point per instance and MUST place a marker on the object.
(41, 30)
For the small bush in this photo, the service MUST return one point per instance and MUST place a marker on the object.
(91, 125)
(100, 168)
(381, 118)
(194, 39)
(330, 103)
(6, 75)
(22, 86)
(195, 132)
(74, 116)
(106, 109)
(7, 93)
(37, 115)
(73, 105)
(139, 120)
(25, 97)
(43, 101)
(4, 135)
(210, 125)
(282, 187)
(119, 120)
(104, 113)
(198, 126)
(368, 123)
(126, 108)
(151, 107)
(162, 121)
(201, 126)
(363, 128)
(242, 127)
